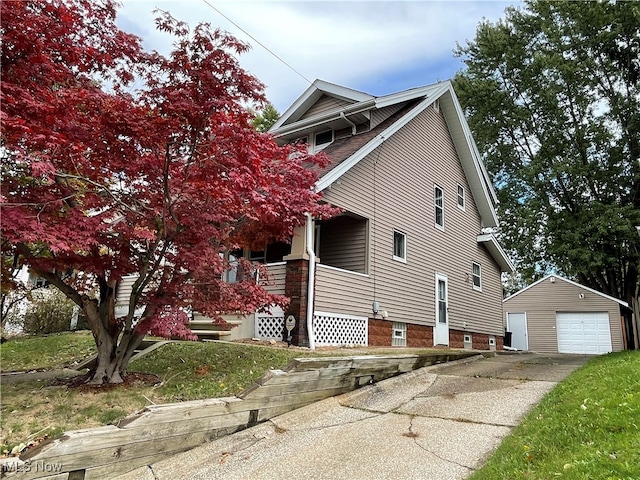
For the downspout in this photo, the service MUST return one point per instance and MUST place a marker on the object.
(311, 283)
(353, 125)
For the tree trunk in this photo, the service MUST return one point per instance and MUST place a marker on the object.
(114, 350)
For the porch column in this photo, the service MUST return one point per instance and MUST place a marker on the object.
(296, 287)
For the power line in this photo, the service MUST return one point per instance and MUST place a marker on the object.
(258, 42)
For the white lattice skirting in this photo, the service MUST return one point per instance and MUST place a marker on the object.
(270, 325)
(339, 329)
(329, 328)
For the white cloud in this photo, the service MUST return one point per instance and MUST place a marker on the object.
(376, 46)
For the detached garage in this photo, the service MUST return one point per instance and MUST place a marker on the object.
(557, 315)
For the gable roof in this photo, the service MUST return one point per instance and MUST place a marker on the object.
(575, 284)
(346, 153)
(312, 94)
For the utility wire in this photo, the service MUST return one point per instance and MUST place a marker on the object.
(258, 42)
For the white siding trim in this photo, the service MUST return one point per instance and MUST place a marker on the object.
(497, 252)
(329, 267)
(341, 315)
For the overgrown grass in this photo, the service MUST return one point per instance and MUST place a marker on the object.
(49, 351)
(191, 371)
(588, 427)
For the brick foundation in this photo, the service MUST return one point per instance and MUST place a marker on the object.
(379, 332)
(456, 339)
(419, 336)
(296, 281)
(480, 341)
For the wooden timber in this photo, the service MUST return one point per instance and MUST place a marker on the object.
(160, 431)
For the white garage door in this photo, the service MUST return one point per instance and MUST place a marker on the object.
(583, 332)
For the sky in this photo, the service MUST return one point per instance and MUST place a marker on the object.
(377, 47)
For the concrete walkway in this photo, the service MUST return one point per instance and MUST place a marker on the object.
(439, 422)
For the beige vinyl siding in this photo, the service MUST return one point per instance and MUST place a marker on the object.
(124, 290)
(344, 244)
(401, 174)
(341, 291)
(541, 302)
(323, 105)
(274, 284)
(379, 116)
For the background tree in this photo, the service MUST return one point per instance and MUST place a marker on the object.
(120, 162)
(264, 120)
(552, 95)
(49, 311)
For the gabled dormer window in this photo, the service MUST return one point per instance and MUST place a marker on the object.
(322, 139)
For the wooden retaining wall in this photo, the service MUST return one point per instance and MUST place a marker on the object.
(160, 431)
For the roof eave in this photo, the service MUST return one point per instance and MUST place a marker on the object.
(576, 284)
(322, 118)
(497, 252)
(312, 94)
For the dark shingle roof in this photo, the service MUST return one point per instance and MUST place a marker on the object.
(342, 149)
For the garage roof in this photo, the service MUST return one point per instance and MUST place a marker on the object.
(623, 303)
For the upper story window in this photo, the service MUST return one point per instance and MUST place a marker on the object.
(460, 197)
(438, 202)
(322, 139)
(476, 276)
(399, 246)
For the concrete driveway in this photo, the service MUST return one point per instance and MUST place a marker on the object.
(439, 422)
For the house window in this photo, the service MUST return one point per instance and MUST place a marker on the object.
(438, 201)
(38, 282)
(476, 277)
(323, 139)
(399, 334)
(467, 339)
(399, 246)
(230, 273)
(460, 197)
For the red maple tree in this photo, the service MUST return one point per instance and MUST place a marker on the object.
(117, 162)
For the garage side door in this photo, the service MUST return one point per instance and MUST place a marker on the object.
(583, 332)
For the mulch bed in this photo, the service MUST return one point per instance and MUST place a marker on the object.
(133, 379)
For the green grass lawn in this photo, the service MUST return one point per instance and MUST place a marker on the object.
(32, 409)
(50, 351)
(587, 428)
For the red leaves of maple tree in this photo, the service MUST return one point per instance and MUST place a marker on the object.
(159, 178)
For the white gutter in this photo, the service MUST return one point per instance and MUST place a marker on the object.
(353, 125)
(322, 118)
(312, 278)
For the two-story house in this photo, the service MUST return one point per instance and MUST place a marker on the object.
(410, 260)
